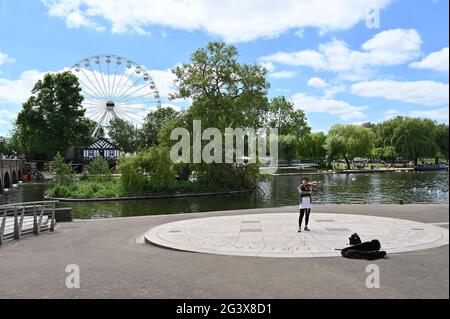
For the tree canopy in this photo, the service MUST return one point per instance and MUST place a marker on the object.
(415, 138)
(349, 141)
(153, 124)
(124, 135)
(52, 119)
(224, 92)
(283, 116)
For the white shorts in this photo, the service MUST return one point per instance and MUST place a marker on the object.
(305, 203)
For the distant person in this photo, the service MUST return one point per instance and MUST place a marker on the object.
(304, 191)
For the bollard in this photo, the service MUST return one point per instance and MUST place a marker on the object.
(16, 226)
(35, 223)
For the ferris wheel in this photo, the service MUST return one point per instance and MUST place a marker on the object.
(115, 87)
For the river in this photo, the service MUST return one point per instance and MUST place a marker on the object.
(376, 188)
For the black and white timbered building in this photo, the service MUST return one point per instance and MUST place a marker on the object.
(101, 147)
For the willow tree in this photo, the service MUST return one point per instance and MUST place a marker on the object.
(415, 138)
(349, 141)
(441, 137)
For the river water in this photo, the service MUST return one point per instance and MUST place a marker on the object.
(376, 188)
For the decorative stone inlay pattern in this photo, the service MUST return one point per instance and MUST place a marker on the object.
(275, 235)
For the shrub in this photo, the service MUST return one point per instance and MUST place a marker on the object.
(150, 170)
(99, 166)
(63, 172)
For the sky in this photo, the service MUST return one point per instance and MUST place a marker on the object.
(343, 61)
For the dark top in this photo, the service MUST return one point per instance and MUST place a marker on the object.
(304, 188)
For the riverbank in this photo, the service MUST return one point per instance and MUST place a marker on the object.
(128, 198)
(347, 171)
(113, 265)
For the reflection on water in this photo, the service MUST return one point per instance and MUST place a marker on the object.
(420, 187)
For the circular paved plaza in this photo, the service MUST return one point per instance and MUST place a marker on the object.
(275, 235)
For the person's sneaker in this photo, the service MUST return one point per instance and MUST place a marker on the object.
(306, 228)
(299, 229)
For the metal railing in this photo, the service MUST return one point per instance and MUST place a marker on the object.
(20, 219)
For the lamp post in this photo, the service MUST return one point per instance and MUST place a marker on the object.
(2, 143)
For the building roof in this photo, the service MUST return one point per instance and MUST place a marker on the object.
(101, 144)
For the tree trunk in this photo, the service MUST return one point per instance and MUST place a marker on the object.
(348, 163)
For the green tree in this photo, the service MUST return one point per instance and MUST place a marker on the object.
(149, 170)
(5, 146)
(224, 92)
(124, 135)
(153, 124)
(52, 119)
(385, 131)
(99, 167)
(312, 146)
(283, 116)
(415, 138)
(442, 136)
(63, 173)
(370, 125)
(288, 145)
(349, 141)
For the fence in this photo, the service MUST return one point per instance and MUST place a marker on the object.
(21, 219)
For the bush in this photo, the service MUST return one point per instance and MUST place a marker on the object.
(63, 172)
(99, 167)
(150, 170)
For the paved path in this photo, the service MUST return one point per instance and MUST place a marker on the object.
(112, 265)
(275, 235)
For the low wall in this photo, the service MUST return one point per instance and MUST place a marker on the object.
(111, 199)
(63, 214)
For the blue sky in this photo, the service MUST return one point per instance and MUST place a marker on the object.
(323, 55)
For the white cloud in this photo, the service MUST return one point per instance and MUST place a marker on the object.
(417, 92)
(329, 90)
(390, 113)
(440, 115)
(300, 33)
(317, 82)
(15, 92)
(283, 75)
(6, 119)
(18, 91)
(269, 66)
(386, 48)
(232, 20)
(76, 20)
(437, 61)
(7, 114)
(393, 47)
(4, 58)
(164, 80)
(342, 109)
